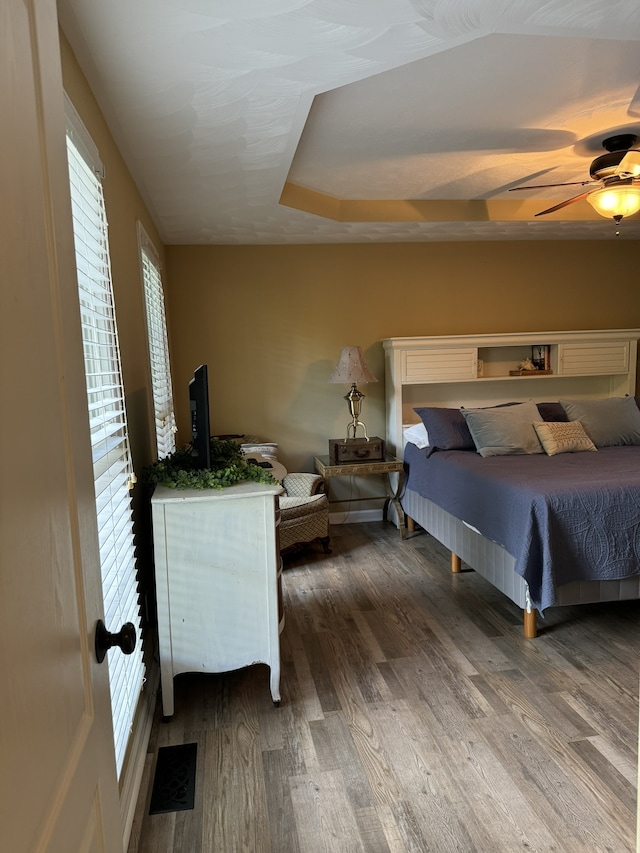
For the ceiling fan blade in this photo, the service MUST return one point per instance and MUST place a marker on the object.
(634, 106)
(629, 166)
(564, 203)
(546, 186)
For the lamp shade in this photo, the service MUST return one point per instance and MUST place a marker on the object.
(616, 201)
(352, 368)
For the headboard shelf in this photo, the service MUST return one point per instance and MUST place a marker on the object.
(472, 369)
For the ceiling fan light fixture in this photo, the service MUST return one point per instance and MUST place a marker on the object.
(615, 202)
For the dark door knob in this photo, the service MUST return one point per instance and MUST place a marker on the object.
(125, 639)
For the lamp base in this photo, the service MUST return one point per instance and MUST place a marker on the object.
(352, 429)
(348, 450)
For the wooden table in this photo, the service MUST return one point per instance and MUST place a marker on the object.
(390, 465)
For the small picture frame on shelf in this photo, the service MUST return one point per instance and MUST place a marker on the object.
(540, 354)
(537, 356)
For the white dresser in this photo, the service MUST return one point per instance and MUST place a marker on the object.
(218, 577)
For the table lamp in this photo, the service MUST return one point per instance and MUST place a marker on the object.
(351, 369)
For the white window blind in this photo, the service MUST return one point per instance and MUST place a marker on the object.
(112, 466)
(160, 366)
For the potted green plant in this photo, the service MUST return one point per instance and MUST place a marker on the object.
(228, 467)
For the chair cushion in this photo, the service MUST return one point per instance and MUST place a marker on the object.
(303, 520)
(294, 507)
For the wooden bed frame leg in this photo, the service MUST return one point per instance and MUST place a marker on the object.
(456, 564)
(530, 630)
(411, 525)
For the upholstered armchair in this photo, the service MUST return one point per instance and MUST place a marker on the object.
(304, 512)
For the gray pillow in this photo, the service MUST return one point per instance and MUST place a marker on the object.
(505, 431)
(609, 422)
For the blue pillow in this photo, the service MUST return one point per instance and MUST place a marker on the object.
(552, 412)
(447, 429)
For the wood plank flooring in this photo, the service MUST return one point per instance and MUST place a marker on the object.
(415, 717)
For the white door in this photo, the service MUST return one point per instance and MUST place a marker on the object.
(58, 786)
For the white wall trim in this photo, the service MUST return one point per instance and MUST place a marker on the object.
(131, 778)
(355, 516)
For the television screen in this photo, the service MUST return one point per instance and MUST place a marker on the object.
(200, 429)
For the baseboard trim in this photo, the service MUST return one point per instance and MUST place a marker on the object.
(355, 516)
(131, 778)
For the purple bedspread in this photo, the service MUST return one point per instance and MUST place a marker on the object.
(570, 517)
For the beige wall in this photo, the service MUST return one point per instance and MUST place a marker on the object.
(270, 320)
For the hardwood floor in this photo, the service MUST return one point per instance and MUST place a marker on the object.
(414, 717)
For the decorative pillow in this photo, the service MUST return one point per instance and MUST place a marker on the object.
(416, 434)
(552, 412)
(504, 431)
(447, 428)
(609, 422)
(563, 437)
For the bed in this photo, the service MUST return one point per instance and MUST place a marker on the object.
(559, 539)
(545, 528)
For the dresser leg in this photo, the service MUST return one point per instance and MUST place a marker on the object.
(274, 683)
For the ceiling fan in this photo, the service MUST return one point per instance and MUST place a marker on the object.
(617, 172)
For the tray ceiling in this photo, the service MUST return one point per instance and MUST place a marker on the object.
(329, 121)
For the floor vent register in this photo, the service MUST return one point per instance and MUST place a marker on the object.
(174, 781)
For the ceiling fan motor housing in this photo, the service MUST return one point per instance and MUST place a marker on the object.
(603, 167)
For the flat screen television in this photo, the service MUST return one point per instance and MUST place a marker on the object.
(200, 428)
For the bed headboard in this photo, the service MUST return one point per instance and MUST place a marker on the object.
(476, 370)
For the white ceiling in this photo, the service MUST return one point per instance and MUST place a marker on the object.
(219, 106)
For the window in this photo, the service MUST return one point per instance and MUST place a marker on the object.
(158, 346)
(112, 466)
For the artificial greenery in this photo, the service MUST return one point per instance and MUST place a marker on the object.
(228, 467)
